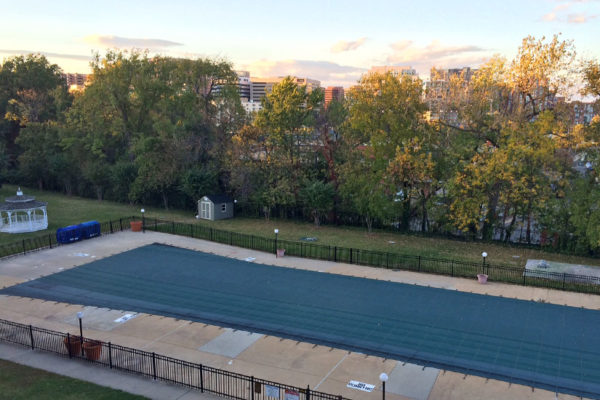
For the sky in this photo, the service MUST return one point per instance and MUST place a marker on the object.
(332, 41)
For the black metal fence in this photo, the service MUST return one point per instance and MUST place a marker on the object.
(380, 259)
(49, 240)
(155, 366)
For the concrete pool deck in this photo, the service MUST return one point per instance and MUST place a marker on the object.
(269, 357)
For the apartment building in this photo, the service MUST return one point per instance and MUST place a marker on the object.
(394, 70)
(437, 90)
(75, 81)
(333, 92)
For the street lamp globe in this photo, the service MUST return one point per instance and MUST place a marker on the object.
(383, 377)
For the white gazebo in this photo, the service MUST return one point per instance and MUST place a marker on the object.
(22, 213)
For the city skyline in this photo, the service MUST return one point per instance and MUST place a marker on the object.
(334, 42)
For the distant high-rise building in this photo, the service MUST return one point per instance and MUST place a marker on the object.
(260, 87)
(333, 92)
(75, 81)
(437, 90)
(582, 112)
(395, 70)
(244, 84)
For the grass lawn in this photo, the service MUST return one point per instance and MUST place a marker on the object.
(21, 382)
(64, 210)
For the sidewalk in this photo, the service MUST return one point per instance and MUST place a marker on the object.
(99, 375)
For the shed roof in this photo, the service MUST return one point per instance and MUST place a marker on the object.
(219, 198)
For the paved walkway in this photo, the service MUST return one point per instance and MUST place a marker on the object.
(281, 360)
(85, 371)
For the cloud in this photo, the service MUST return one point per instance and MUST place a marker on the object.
(343, 45)
(123, 42)
(559, 12)
(405, 52)
(328, 73)
(77, 57)
(551, 16)
(580, 18)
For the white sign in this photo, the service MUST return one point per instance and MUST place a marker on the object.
(291, 395)
(271, 391)
(365, 387)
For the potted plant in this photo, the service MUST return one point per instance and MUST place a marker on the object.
(92, 349)
(136, 226)
(73, 344)
(482, 278)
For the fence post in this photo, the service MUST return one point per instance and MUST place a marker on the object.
(173, 227)
(192, 230)
(154, 365)
(110, 355)
(155, 225)
(69, 345)
(564, 276)
(50, 240)
(110, 224)
(211, 234)
(335, 254)
(230, 238)
(419, 263)
(201, 380)
(452, 261)
(308, 392)
(31, 336)
(121, 224)
(350, 255)
(387, 260)
(252, 387)
(23, 246)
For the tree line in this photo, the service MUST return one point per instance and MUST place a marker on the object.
(165, 131)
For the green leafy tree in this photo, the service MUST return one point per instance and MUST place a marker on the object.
(317, 198)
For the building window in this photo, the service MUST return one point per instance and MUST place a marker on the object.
(223, 207)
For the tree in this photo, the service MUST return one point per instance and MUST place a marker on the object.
(390, 144)
(31, 91)
(317, 198)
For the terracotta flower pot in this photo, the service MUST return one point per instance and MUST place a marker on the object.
(482, 278)
(92, 349)
(280, 252)
(136, 226)
(74, 343)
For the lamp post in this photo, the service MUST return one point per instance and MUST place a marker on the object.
(483, 255)
(80, 316)
(276, 233)
(143, 221)
(383, 378)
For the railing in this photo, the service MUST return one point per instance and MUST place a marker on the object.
(155, 366)
(380, 259)
(49, 240)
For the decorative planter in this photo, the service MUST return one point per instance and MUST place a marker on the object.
(280, 252)
(136, 226)
(74, 344)
(92, 349)
(482, 278)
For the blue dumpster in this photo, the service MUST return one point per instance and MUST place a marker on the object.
(68, 234)
(90, 229)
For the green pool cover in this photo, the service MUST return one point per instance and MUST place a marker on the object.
(543, 345)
